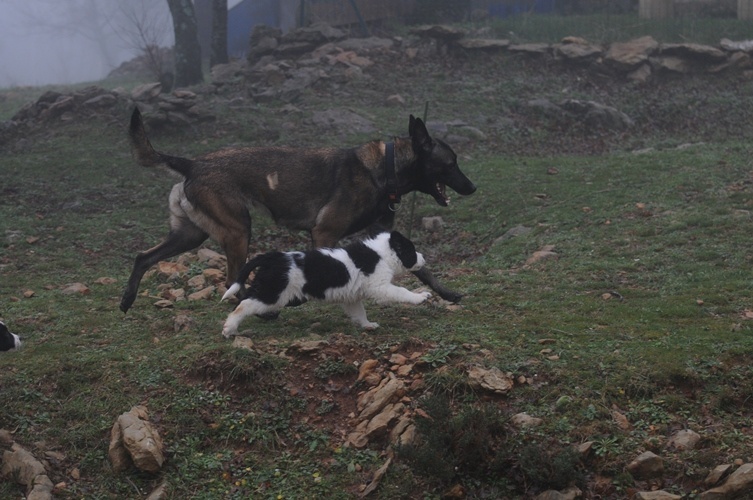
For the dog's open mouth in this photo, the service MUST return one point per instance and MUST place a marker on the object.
(440, 194)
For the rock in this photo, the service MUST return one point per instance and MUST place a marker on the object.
(656, 495)
(159, 492)
(641, 74)
(647, 465)
(366, 368)
(378, 424)
(169, 269)
(395, 100)
(546, 252)
(483, 44)
(306, 346)
(578, 52)
(243, 343)
(211, 258)
(585, 449)
(684, 440)
(597, 116)
(522, 420)
(203, 294)
(532, 49)
(315, 34)
(404, 421)
(197, 281)
(146, 91)
(732, 46)
(493, 380)
(232, 72)
(377, 398)
(627, 56)
(432, 224)
(408, 436)
(214, 275)
(74, 288)
(704, 53)
(670, 63)
(365, 44)
(716, 475)
(570, 493)
(182, 322)
(739, 483)
(20, 465)
(621, 420)
(134, 440)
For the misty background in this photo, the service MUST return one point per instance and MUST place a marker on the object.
(70, 41)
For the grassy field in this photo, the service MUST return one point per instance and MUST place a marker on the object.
(645, 311)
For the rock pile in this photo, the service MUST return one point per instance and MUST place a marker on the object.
(637, 60)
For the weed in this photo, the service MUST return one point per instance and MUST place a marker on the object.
(439, 355)
(464, 445)
(545, 468)
(606, 446)
(333, 367)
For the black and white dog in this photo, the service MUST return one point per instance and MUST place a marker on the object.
(8, 340)
(345, 275)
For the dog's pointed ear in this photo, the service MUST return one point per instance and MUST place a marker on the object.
(419, 135)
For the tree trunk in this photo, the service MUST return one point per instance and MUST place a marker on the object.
(187, 48)
(218, 55)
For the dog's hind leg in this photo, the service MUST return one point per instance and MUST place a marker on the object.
(357, 314)
(180, 239)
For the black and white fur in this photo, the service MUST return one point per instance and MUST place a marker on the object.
(345, 275)
(8, 340)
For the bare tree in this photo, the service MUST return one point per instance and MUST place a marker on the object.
(141, 26)
(187, 49)
(218, 53)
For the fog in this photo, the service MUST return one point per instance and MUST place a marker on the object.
(70, 41)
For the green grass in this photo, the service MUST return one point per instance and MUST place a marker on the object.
(610, 28)
(645, 304)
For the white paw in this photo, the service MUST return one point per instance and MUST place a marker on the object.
(370, 326)
(228, 332)
(422, 297)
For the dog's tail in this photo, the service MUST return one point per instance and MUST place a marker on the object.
(146, 155)
(243, 276)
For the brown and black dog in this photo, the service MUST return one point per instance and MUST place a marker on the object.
(329, 192)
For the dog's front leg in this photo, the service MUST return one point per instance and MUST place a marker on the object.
(394, 293)
(357, 313)
(431, 281)
(247, 307)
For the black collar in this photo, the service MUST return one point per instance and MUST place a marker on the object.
(393, 194)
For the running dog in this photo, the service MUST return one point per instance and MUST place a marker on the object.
(329, 192)
(361, 270)
(8, 341)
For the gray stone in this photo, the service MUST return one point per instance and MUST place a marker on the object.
(629, 55)
(739, 483)
(646, 465)
(685, 439)
(134, 440)
(492, 379)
